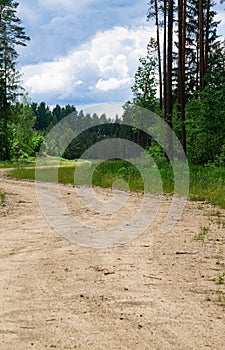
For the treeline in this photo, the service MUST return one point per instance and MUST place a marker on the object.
(32, 122)
(84, 130)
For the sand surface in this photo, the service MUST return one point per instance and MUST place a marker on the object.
(158, 291)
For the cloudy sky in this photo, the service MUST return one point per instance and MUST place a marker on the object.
(84, 52)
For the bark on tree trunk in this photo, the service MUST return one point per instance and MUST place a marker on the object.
(165, 58)
(181, 68)
(207, 38)
(169, 103)
(159, 54)
(201, 44)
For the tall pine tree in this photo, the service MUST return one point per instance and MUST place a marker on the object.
(12, 34)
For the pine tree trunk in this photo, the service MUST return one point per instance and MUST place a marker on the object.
(201, 45)
(181, 68)
(169, 101)
(165, 60)
(207, 38)
(180, 55)
(184, 141)
(159, 54)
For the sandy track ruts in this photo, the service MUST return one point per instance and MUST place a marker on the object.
(157, 292)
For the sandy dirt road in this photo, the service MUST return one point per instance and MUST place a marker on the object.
(156, 292)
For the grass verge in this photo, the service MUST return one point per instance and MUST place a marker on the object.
(206, 183)
(120, 174)
(31, 162)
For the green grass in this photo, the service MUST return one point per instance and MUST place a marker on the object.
(31, 162)
(200, 236)
(8, 164)
(104, 175)
(47, 174)
(55, 161)
(2, 199)
(15, 164)
(206, 183)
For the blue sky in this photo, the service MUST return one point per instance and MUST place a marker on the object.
(84, 52)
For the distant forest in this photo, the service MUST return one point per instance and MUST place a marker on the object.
(181, 78)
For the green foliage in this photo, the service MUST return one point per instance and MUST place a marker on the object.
(43, 115)
(220, 158)
(156, 151)
(109, 171)
(23, 130)
(215, 76)
(55, 146)
(145, 84)
(192, 42)
(25, 140)
(12, 34)
(206, 126)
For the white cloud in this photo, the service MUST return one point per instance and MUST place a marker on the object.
(55, 25)
(220, 16)
(47, 77)
(110, 64)
(112, 83)
(106, 63)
